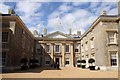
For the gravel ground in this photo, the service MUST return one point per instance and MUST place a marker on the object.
(64, 72)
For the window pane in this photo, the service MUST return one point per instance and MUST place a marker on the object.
(3, 58)
(57, 48)
(113, 59)
(47, 48)
(67, 48)
(4, 36)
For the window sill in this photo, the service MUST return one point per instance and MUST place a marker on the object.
(77, 52)
(114, 66)
(57, 52)
(48, 52)
(4, 42)
(67, 52)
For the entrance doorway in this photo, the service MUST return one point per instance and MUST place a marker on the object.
(57, 60)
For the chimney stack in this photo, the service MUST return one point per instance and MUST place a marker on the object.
(11, 11)
(35, 32)
(45, 31)
(79, 33)
(70, 31)
(104, 12)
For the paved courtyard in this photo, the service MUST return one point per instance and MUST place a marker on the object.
(64, 72)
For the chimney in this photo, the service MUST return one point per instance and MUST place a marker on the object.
(79, 33)
(45, 31)
(104, 12)
(11, 11)
(35, 32)
(70, 31)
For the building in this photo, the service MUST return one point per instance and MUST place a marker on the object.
(59, 47)
(100, 42)
(17, 41)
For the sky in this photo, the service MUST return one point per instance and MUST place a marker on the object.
(59, 16)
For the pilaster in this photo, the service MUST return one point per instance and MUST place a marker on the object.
(63, 54)
(72, 54)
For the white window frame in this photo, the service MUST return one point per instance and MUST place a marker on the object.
(67, 59)
(5, 58)
(114, 37)
(7, 37)
(47, 58)
(114, 52)
(77, 46)
(66, 50)
(59, 48)
(48, 48)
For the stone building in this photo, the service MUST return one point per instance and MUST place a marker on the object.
(100, 42)
(60, 47)
(17, 40)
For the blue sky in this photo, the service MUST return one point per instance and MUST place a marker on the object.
(59, 16)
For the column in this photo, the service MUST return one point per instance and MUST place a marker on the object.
(43, 54)
(52, 52)
(71, 54)
(63, 54)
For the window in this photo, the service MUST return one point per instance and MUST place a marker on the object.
(82, 48)
(23, 41)
(4, 36)
(113, 58)
(76, 50)
(92, 42)
(86, 46)
(47, 48)
(67, 48)
(67, 62)
(76, 47)
(112, 37)
(57, 48)
(47, 62)
(3, 58)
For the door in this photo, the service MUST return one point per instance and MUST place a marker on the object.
(57, 60)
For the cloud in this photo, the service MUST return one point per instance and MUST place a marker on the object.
(4, 8)
(78, 19)
(28, 11)
(65, 7)
(67, 15)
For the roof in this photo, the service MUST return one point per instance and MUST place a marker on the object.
(101, 18)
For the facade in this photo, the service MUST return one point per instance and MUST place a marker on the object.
(17, 41)
(100, 42)
(59, 47)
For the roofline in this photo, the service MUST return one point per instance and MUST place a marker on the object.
(20, 20)
(56, 32)
(100, 18)
(57, 39)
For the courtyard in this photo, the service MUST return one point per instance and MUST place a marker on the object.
(64, 72)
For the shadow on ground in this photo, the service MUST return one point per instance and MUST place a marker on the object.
(33, 70)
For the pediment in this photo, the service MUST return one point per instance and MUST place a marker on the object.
(57, 35)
